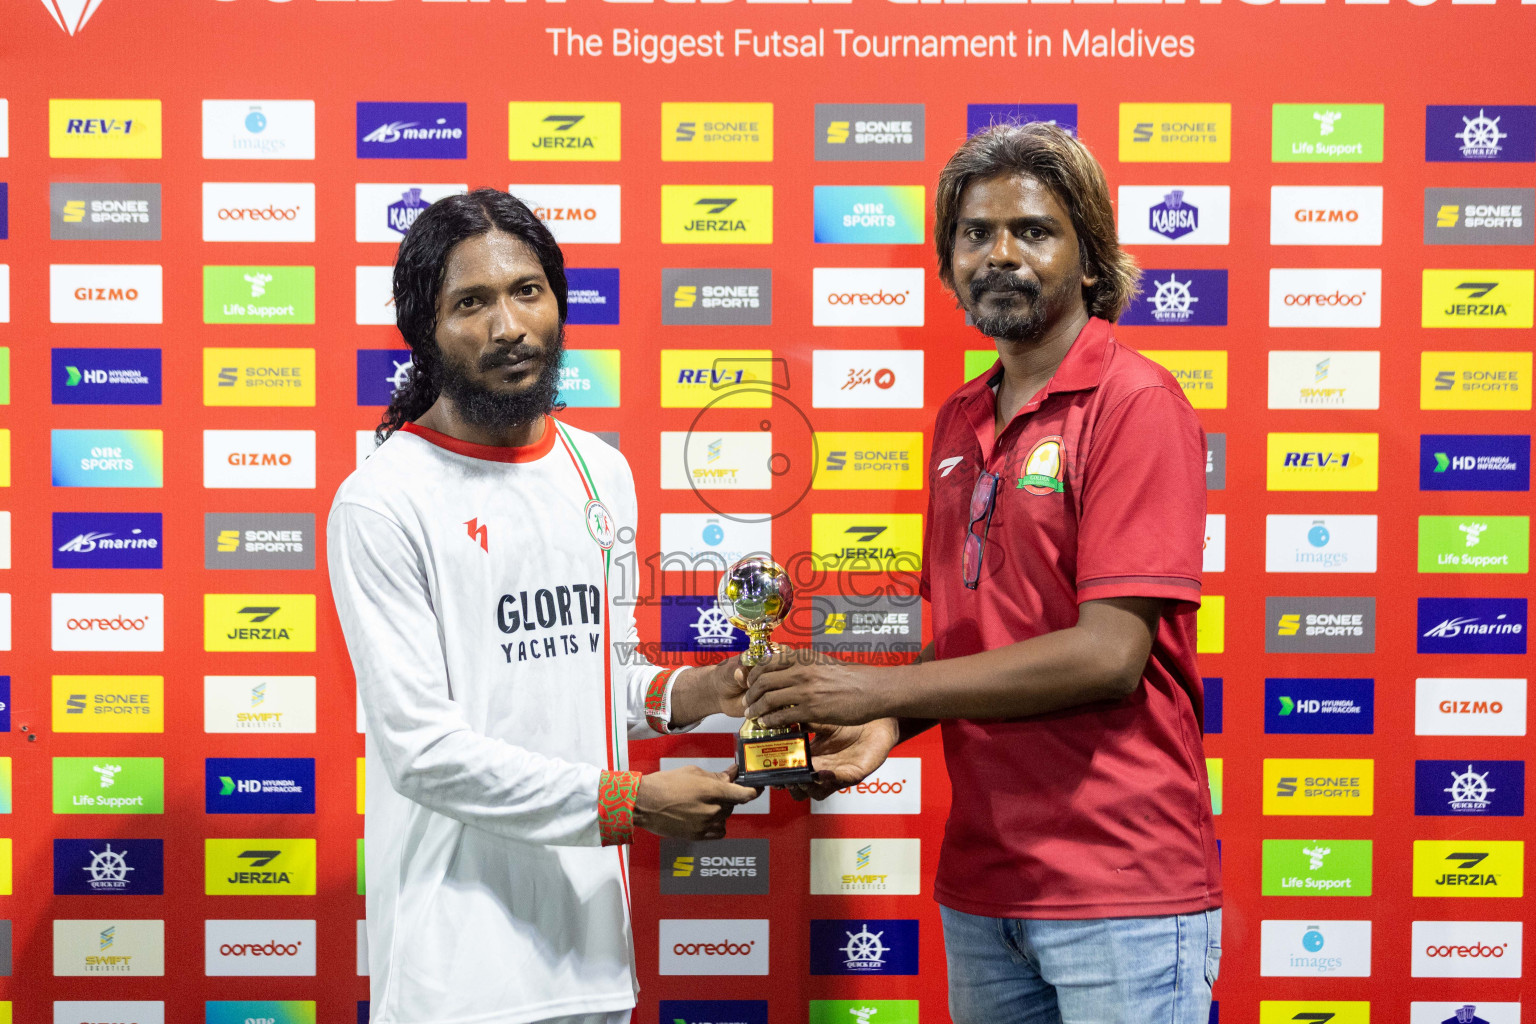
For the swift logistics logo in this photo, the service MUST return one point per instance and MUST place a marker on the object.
(563, 131)
(1175, 133)
(259, 785)
(108, 867)
(699, 378)
(869, 131)
(1320, 786)
(1474, 788)
(1315, 707)
(1325, 215)
(866, 379)
(1179, 298)
(575, 213)
(864, 947)
(1321, 462)
(1324, 380)
(248, 704)
(1475, 380)
(103, 293)
(727, 867)
(1479, 216)
(855, 867)
(592, 295)
(867, 296)
(258, 129)
(1479, 134)
(1331, 133)
(1175, 214)
(104, 129)
(1480, 544)
(259, 622)
(716, 460)
(720, 132)
(717, 214)
(1201, 374)
(862, 461)
(259, 376)
(1319, 867)
(259, 867)
(108, 785)
(103, 211)
(1472, 625)
(1477, 298)
(1474, 462)
(1324, 297)
(269, 211)
(872, 214)
(258, 295)
(713, 946)
(385, 212)
(126, 704)
(110, 947)
(106, 376)
(1467, 949)
(108, 622)
(981, 116)
(1315, 949)
(258, 540)
(1469, 868)
(1469, 707)
(589, 378)
(258, 949)
(412, 131)
(872, 542)
(719, 297)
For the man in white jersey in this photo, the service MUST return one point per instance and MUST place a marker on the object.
(472, 563)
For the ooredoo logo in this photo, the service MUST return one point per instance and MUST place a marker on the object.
(108, 622)
(1467, 949)
(259, 948)
(258, 211)
(867, 297)
(716, 946)
(1324, 298)
(259, 458)
(896, 788)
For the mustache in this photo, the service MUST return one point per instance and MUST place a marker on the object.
(506, 357)
(1000, 281)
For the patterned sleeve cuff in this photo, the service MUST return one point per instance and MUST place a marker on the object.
(616, 792)
(658, 701)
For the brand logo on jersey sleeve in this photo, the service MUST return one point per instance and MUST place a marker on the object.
(1472, 625)
(104, 294)
(1475, 462)
(1323, 867)
(1310, 707)
(108, 785)
(1469, 788)
(875, 214)
(1475, 380)
(1175, 214)
(1469, 707)
(1322, 786)
(722, 297)
(1480, 544)
(258, 129)
(258, 211)
(259, 458)
(1202, 374)
(563, 131)
(1331, 133)
(717, 214)
(869, 131)
(258, 622)
(981, 116)
(1322, 462)
(412, 131)
(1479, 216)
(717, 131)
(100, 211)
(108, 867)
(259, 867)
(110, 947)
(896, 787)
(1467, 949)
(864, 947)
(1478, 298)
(108, 703)
(1179, 298)
(1480, 134)
(592, 295)
(104, 129)
(853, 542)
(1175, 132)
(714, 946)
(106, 376)
(575, 213)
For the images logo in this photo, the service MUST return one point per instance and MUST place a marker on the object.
(1175, 215)
(258, 295)
(104, 129)
(716, 460)
(1472, 625)
(259, 948)
(1478, 298)
(1322, 462)
(106, 376)
(385, 212)
(1179, 298)
(1324, 380)
(1479, 216)
(1331, 133)
(1475, 788)
(108, 622)
(1175, 132)
(1474, 543)
(258, 622)
(258, 212)
(1340, 949)
(715, 946)
(1475, 462)
(716, 297)
(108, 703)
(574, 213)
(869, 461)
(380, 373)
(854, 542)
(896, 787)
(261, 540)
(412, 131)
(1321, 786)
(258, 129)
(875, 214)
(108, 785)
(260, 785)
(873, 297)
(104, 294)
(1202, 374)
(259, 376)
(869, 131)
(729, 867)
(1469, 707)
(101, 211)
(1467, 949)
(1479, 134)
(979, 116)
(696, 378)
(1324, 298)
(1313, 707)
(108, 867)
(865, 866)
(259, 458)
(1325, 215)
(864, 947)
(721, 540)
(563, 131)
(270, 867)
(717, 131)
(1475, 380)
(1331, 867)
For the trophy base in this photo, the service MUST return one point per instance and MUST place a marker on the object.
(782, 760)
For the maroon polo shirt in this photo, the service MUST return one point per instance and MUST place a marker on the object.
(1101, 810)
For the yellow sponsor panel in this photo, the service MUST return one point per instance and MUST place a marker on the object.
(717, 131)
(868, 461)
(258, 622)
(890, 542)
(1175, 133)
(1215, 771)
(258, 376)
(1478, 298)
(1211, 625)
(1475, 380)
(362, 776)
(1322, 462)
(717, 214)
(109, 704)
(259, 867)
(1202, 374)
(562, 131)
(1314, 1011)
(5, 867)
(1468, 867)
(722, 378)
(5, 1013)
(1321, 786)
(5, 457)
(104, 129)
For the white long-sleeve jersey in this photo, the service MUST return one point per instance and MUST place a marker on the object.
(473, 586)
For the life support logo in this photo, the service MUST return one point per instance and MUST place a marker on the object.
(1044, 468)
(600, 524)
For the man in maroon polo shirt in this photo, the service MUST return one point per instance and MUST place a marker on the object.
(1078, 880)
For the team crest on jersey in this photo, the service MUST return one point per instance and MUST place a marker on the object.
(600, 524)
(1043, 468)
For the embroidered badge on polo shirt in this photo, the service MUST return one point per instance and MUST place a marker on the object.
(1043, 468)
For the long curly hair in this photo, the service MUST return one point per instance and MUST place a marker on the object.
(420, 266)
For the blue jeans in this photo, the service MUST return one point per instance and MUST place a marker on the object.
(1116, 970)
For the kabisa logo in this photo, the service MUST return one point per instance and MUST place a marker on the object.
(104, 129)
(258, 212)
(1469, 868)
(717, 131)
(1475, 462)
(1334, 625)
(258, 540)
(104, 211)
(1477, 298)
(563, 131)
(1469, 707)
(1175, 214)
(866, 379)
(717, 214)
(1180, 298)
(1176, 132)
(104, 293)
(258, 129)
(259, 949)
(106, 376)
(1322, 462)
(258, 622)
(716, 297)
(867, 297)
(1333, 133)
(869, 131)
(1173, 218)
(1469, 788)
(380, 373)
(108, 622)
(1480, 544)
(1311, 707)
(574, 213)
(108, 785)
(713, 946)
(877, 214)
(864, 947)
(1480, 134)
(980, 116)
(1324, 786)
(1310, 949)
(1463, 1013)
(1332, 867)
(108, 867)
(1467, 949)
(259, 458)
(276, 867)
(412, 131)
(592, 295)
(1324, 297)
(857, 460)
(727, 867)
(698, 624)
(260, 785)
(1475, 380)
(127, 704)
(852, 542)
(1479, 216)
(696, 1011)
(1472, 625)
(385, 211)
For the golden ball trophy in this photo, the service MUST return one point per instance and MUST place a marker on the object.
(755, 593)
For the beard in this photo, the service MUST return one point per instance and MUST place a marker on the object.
(492, 408)
(1027, 324)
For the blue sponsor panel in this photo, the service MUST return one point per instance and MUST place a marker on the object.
(108, 867)
(1472, 625)
(1480, 134)
(106, 376)
(592, 295)
(714, 1011)
(413, 131)
(380, 371)
(1474, 462)
(107, 540)
(698, 624)
(864, 947)
(362, 1011)
(264, 1011)
(984, 115)
(1309, 707)
(1471, 788)
(5, 716)
(5, 210)
(1174, 298)
(1213, 705)
(260, 785)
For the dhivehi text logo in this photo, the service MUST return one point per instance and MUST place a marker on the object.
(1463, 867)
(1318, 867)
(717, 214)
(1478, 298)
(563, 131)
(1475, 380)
(717, 131)
(104, 129)
(1202, 374)
(1175, 132)
(108, 703)
(1474, 544)
(1321, 462)
(273, 867)
(715, 946)
(866, 379)
(1321, 786)
(258, 622)
(1333, 133)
